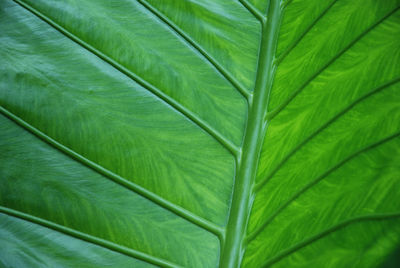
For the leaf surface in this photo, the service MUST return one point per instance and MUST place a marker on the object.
(199, 133)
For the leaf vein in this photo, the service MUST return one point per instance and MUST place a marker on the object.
(314, 238)
(225, 73)
(227, 144)
(277, 110)
(297, 41)
(88, 238)
(254, 234)
(324, 126)
(177, 210)
(253, 10)
(233, 247)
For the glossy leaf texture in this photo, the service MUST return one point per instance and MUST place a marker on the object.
(199, 133)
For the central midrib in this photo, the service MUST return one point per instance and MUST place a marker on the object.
(233, 245)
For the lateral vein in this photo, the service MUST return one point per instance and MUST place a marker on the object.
(88, 238)
(253, 10)
(297, 41)
(314, 238)
(224, 72)
(227, 144)
(256, 232)
(262, 183)
(277, 110)
(177, 210)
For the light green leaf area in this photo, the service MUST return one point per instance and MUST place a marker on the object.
(199, 133)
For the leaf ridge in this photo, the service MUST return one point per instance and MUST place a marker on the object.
(262, 183)
(88, 238)
(372, 217)
(227, 144)
(221, 69)
(254, 234)
(158, 200)
(277, 110)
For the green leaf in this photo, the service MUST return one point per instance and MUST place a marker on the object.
(199, 133)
